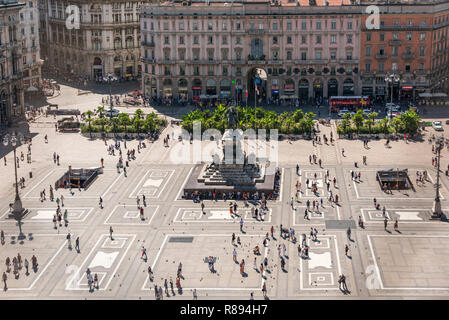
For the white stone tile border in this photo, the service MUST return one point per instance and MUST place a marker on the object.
(322, 284)
(134, 194)
(320, 219)
(131, 223)
(144, 288)
(339, 270)
(379, 278)
(28, 220)
(236, 220)
(401, 221)
(68, 285)
(63, 245)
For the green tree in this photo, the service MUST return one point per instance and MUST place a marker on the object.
(124, 120)
(89, 120)
(384, 124)
(100, 112)
(371, 120)
(410, 121)
(397, 124)
(358, 120)
(346, 122)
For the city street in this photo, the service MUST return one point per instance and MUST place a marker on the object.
(410, 262)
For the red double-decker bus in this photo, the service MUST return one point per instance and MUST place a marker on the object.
(351, 103)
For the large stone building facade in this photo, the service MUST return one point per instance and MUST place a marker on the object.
(106, 42)
(412, 43)
(307, 49)
(29, 29)
(194, 49)
(11, 85)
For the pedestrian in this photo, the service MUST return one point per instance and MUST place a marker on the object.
(241, 225)
(150, 273)
(77, 244)
(251, 296)
(385, 224)
(4, 278)
(346, 250)
(264, 289)
(26, 264)
(110, 232)
(2, 237)
(348, 232)
(195, 295)
(234, 255)
(96, 285)
(144, 254)
(271, 230)
(396, 225)
(101, 203)
(69, 241)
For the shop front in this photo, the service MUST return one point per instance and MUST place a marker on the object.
(196, 89)
(275, 89)
(289, 90)
(303, 90)
(332, 88)
(317, 89)
(183, 89)
(407, 93)
(348, 87)
(225, 89)
(167, 92)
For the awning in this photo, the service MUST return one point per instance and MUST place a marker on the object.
(433, 95)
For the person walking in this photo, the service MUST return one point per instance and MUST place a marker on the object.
(77, 244)
(4, 278)
(110, 232)
(241, 225)
(69, 241)
(396, 225)
(346, 250)
(144, 254)
(26, 264)
(272, 232)
(385, 224)
(264, 289)
(195, 295)
(101, 203)
(234, 255)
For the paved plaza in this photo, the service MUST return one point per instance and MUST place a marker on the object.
(411, 262)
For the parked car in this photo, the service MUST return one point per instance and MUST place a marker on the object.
(341, 113)
(114, 113)
(437, 126)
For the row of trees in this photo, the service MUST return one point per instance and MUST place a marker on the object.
(296, 122)
(97, 121)
(407, 122)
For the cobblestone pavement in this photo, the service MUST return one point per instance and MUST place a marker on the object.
(409, 263)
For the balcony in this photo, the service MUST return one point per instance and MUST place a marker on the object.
(408, 56)
(255, 31)
(275, 62)
(257, 62)
(395, 42)
(381, 56)
(147, 44)
(420, 72)
(147, 60)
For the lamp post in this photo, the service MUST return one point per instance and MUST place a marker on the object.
(392, 78)
(110, 79)
(436, 210)
(17, 210)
